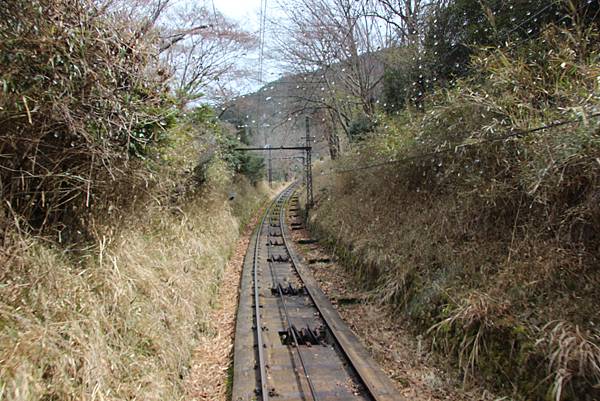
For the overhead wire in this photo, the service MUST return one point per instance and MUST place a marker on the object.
(261, 47)
(454, 148)
(324, 70)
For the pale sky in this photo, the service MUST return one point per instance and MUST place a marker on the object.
(247, 13)
(241, 10)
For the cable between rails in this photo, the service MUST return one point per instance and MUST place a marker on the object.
(287, 316)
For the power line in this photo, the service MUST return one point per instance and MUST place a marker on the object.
(262, 29)
(214, 9)
(263, 20)
(308, 101)
(509, 135)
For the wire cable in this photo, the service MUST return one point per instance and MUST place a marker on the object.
(513, 134)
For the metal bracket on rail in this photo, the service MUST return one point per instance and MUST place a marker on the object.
(304, 336)
(288, 290)
(279, 258)
(274, 242)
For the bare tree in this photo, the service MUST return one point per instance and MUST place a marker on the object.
(403, 15)
(408, 19)
(333, 47)
(203, 48)
(199, 46)
(143, 15)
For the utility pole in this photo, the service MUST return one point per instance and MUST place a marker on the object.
(270, 167)
(308, 169)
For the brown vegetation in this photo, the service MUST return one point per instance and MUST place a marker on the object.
(488, 242)
(81, 94)
(117, 215)
(121, 319)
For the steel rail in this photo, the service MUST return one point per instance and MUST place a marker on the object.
(376, 387)
(261, 355)
(259, 339)
(372, 385)
(259, 373)
(276, 148)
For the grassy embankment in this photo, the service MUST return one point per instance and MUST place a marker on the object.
(119, 320)
(115, 216)
(487, 244)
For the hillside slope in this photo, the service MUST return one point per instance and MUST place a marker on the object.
(486, 237)
(120, 319)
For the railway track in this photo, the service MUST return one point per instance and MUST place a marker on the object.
(290, 342)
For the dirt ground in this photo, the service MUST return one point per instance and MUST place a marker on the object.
(208, 378)
(419, 375)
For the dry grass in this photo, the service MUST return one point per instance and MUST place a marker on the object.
(118, 321)
(574, 353)
(480, 294)
(482, 245)
(211, 366)
(417, 373)
(471, 320)
(115, 220)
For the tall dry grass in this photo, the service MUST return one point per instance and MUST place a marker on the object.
(486, 241)
(574, 353)
(119, 320)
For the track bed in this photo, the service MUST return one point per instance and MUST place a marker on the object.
(290, 342)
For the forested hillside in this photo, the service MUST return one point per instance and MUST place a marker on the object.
(466, 199)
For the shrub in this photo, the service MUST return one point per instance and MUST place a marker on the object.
(82, 98)
(482, 233)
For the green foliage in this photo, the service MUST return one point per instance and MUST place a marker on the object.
(150, 134)
(360, 127)
(228, 139)
(202, 115)
(397, 89)
(454, 31)
(246, 163)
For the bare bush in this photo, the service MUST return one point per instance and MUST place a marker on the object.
(82, 96)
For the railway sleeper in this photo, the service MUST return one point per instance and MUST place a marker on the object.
(304, 336)
(275, 242)
(319, 260)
